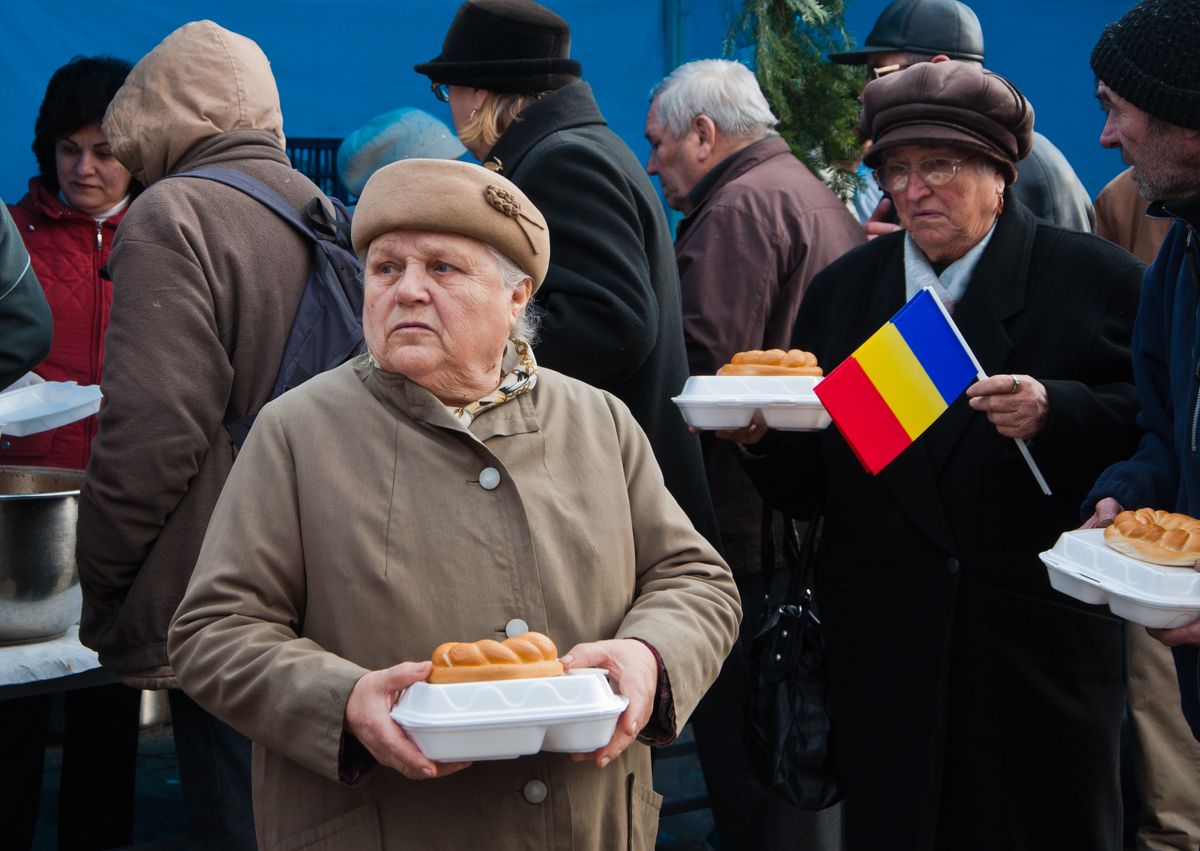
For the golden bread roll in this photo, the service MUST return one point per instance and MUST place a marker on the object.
(1156, 536)
(772, 362)
(528, 655)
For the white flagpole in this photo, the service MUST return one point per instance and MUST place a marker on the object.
(979, 373)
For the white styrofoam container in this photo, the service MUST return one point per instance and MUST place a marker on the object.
(504, 719)
(46, 405)
(1083, 566)
(787, 402)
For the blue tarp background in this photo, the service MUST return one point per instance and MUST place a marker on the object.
(340, 63)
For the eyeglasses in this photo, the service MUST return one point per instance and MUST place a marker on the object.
(935, 172)
(441, 91)
(883, 71)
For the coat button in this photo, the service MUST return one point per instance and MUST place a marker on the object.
(534, 791)
(952, 565)
(489, 478)
(515, 627)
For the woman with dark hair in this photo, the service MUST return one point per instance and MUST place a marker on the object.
(67, 221)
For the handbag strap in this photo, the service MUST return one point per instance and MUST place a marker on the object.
(799, 554)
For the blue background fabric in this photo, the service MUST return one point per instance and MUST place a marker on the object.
(339, 64)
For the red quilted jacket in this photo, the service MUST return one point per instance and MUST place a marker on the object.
(68, 249)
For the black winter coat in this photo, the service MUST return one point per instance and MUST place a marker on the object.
(974, 706)
(611, 298)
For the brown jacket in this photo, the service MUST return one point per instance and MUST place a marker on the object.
(206, 283)
(353, 534)
(1121, 218)
(762, 226)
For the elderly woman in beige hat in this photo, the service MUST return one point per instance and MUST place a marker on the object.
(974, 707)
(444, 488)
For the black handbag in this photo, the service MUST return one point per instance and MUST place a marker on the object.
(789, 739)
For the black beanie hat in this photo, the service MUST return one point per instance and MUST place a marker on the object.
(1151, 57)
(505, 46)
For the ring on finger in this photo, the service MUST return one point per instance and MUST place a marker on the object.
(1016, 384)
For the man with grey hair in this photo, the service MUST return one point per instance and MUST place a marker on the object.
(758, 226)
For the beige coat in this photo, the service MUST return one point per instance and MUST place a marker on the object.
(206, 281)
(354, 533)
(1121, 218)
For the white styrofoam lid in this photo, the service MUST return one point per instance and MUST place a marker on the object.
(750, 389)
(505, 702)
(46, 405)
(1083, 552)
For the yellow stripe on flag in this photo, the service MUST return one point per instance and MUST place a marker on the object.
(901, 380)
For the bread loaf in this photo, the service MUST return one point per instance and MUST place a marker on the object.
(772, 362)
(528, 655)
(1156, 536)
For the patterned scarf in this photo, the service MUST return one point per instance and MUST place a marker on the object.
(518, 374)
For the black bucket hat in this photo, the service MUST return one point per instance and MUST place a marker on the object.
(505, 46)
(927, 27)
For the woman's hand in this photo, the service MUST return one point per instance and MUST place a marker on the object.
(633, 672)
(1015, 404)
(1106, 512)
(367, 718)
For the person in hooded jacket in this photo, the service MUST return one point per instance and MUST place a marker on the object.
(206, 282)
(67, 221)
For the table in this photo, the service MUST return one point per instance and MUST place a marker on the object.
(57, 664)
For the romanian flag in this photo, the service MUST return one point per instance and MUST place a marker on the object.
(899, 381)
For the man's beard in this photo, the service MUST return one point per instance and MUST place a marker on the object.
(1146, 188)
(1161, 176)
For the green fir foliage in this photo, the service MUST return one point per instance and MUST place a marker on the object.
(814, 99)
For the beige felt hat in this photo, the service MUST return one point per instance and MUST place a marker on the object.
(446, 196)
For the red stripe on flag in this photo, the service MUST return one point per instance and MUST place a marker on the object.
(862, 416)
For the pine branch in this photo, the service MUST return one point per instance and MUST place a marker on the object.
(814, 99)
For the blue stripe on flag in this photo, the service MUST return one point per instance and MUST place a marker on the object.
(924, 327)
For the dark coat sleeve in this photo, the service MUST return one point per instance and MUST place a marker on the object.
(25, 322)
(1151, 476)
(600, 314)
(1095, 410)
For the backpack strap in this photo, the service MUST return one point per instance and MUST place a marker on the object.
(314, 224)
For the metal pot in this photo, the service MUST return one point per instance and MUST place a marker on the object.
(39, 586)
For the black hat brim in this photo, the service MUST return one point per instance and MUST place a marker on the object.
(859, 57)
(852, 57)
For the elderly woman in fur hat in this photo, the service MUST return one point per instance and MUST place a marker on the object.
(444, 488)
(973, 705)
